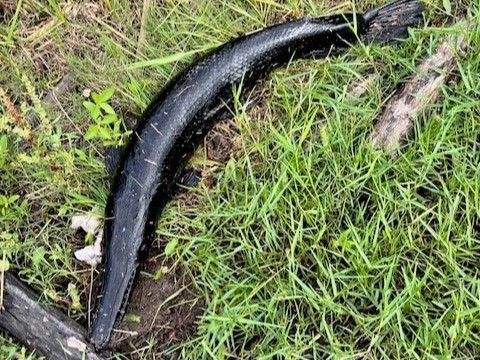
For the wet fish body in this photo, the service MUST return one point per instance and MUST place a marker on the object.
(180, 116)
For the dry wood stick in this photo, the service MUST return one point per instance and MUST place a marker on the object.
(411, 99)
(40, 327)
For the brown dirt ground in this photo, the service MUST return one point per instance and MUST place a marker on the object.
(167, 310)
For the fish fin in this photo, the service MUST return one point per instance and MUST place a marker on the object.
(390, 22)
(112, 159)
(187, 178)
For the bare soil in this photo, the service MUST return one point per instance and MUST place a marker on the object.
(166, 310)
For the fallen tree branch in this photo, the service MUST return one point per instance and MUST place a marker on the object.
(40, 327)
(412, 98)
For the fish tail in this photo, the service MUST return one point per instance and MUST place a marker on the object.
(390, 22)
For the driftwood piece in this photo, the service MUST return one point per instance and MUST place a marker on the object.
(40, 327)
(411, 99)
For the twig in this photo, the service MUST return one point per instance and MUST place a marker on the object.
(90, 298)
(412, 98)
(64, 86)
(143, 24)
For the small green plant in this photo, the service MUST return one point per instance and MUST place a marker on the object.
(107, 125)
(5, 202)
(76, 305)
(9, 351)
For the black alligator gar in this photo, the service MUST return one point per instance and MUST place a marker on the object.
(180, 116)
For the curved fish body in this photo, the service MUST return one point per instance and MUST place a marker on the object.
(179, 117)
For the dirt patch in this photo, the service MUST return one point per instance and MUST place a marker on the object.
(223, 141)
(221, 144)
(165, 309)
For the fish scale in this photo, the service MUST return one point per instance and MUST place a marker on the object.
(180, 116)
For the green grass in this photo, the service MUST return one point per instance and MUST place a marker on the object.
(311, 244)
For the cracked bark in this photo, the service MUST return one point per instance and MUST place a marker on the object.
(40, 327)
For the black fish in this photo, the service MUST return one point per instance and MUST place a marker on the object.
(179, 117)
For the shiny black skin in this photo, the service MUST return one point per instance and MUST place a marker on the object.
(174, 123)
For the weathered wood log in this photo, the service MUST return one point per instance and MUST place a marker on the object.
(411, 99)
(40, 327)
